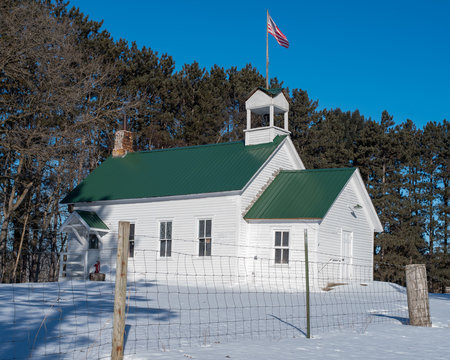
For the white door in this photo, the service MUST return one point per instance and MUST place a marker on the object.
(346, 252)
(93, 253)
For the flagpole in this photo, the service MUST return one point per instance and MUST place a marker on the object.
(267, 50)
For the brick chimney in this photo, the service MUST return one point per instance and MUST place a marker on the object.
(123, 143)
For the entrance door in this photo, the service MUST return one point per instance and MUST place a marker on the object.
(346, 252)
(93, 253)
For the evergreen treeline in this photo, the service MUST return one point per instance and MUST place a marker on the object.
(66, 86)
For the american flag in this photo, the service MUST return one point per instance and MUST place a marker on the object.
(272, 28)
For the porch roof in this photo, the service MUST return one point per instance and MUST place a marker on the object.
(88, 219)
(92, 220)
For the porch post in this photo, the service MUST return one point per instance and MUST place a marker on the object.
(86, 270)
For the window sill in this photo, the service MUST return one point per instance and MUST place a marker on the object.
(279, 265)
(164, 258)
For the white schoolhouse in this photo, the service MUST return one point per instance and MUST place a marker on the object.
(236, 210)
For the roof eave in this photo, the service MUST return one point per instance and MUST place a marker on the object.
(265, 163)
(377, 226)
(158, 198)
(315, 219)
(79, 218)
(373, 217)
(99, 230)
(267, 92)
(340, 192)
(293, 152)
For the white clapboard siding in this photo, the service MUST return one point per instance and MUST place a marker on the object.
(343, 216)
(260, 266)
(281, 160)
(185, 215)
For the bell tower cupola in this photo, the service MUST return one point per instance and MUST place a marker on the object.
(266, 102)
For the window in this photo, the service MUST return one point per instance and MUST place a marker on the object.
(204, 237)
(93, 241)
(165, 238)
(281, 247)
(131, 241)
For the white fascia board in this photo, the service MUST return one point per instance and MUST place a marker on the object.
(260, 99)
(368, 205)
(67, 223)
(340, 193)
(263, 165)
(99, 230)
(156, 199)
(73, 229)
(362, 193)
(293, 152)
(283, 221)
(78, 236)
(79, 219)
(280, 101)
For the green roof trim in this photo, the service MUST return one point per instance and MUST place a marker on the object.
(171, 172)
(300, 194)
(271, 92)
(92, 219)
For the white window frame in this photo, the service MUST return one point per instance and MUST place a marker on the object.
(165, 238)
(132, 241)
(282, 248)
(97, 241)
(134, 222)
(207, 239)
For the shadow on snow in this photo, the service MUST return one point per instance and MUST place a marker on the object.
(51, 319)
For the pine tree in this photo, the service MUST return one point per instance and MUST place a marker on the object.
(434, 201)
(303, 115)
(242, 82)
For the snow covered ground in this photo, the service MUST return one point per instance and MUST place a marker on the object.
(73, 319)
(378, 341)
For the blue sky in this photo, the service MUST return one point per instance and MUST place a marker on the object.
(366, 55)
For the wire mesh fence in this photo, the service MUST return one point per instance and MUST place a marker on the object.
(184, 300)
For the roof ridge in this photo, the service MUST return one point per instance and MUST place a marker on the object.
(271, 92)
(186, 147)
(205, 146)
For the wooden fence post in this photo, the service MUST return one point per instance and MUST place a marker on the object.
(417, 292)
(120, 291)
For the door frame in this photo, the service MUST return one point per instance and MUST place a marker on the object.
(346, 259)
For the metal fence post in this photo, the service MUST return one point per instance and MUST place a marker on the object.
(308, 314)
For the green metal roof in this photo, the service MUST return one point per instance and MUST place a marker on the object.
(271, 92)
(300, 194)
(170, 172)
(92, 219)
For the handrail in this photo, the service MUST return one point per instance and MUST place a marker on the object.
(328, 262)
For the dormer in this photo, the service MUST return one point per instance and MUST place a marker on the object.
(266, 102)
